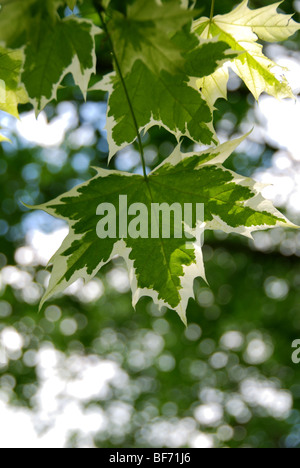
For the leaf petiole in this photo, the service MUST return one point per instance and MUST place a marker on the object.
(100, 10)
(212, 10)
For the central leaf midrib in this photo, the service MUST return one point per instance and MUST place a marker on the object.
(171, 275)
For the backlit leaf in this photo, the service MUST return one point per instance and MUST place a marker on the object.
(162, 267)
(11, 92)
(167, 99)
(241, 29)
(68, 46)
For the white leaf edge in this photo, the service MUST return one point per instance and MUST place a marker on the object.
(285, 25)
(191, 272)
(258, 202)
(106, 84)
(81, 78)
(60, 262)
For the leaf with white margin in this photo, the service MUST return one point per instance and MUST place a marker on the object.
(162, 268)
(11, 93)
(241, 29)
(68, 46)
(165, 99)
(145, 34)
(159, 56)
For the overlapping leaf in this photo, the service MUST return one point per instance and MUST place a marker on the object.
(68, 46)
(266, 22)
(169, 101)
(162, 268)
(160, 59)
(11, 93)
(241, 29)
(163, 65)
(18, 19)
(14, 20)
(145, 34)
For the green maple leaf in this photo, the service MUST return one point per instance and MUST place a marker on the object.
(171, 100)
(14, 19)
(17, 18)
(145, 34)
(11, 93)
(67, 46)
(53, 47)
(159, 58)
(241, 29)
(160, 266)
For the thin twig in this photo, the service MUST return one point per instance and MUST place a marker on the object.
(100, 11)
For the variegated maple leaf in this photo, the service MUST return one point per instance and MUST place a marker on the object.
(68, 46)
(160, 59)
(12, 93)
(241, 30)
(160, 266)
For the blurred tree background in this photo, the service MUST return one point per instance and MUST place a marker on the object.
(88, 370)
